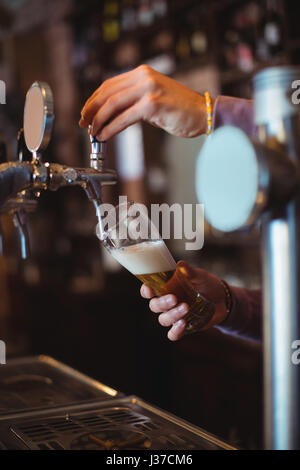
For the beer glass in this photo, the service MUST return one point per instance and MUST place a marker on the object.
(133, 240)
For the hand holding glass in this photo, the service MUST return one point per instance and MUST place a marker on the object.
(130, 237)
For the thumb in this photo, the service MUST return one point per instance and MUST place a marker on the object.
(186, 269)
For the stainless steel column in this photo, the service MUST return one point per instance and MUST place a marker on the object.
(279, 127)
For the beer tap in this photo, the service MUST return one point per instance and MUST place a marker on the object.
(22, 181)
(52, 175)
(21, 204)
(2, 159)
(24, 203)
(98, 152)
(242, 182)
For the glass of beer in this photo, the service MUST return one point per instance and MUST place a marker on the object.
(132, 239)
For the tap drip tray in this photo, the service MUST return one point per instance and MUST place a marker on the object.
(39, 382)
(127, 423)
(112, 439)
(46, 405)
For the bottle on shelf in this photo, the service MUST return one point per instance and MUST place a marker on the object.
(273, 27)
(111, 21)
(128, 15)
(145, 13)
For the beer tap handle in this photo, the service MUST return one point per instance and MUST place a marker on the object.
(20, 215)
(98, 152)
(2, 160)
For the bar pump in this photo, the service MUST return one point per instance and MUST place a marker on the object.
(241, 182)
(22, 181)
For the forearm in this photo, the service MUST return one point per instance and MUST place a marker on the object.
(235, 112)
(245, 318)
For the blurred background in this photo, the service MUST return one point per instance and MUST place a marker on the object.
(69, 300)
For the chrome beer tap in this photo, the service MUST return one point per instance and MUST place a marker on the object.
(23, 202)
(242, 181)
(98, 152)
(21, 181)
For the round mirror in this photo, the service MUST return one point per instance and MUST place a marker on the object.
(38, 117)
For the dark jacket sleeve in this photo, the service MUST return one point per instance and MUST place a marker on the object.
(245, 319)
(234, 112)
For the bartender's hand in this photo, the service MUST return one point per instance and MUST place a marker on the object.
(144, 95)
(172, 313)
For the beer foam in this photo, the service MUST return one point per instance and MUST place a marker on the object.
(145, 258)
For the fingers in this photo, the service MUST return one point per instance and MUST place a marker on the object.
(198, 277)
(173, 315)
(177, 330)
(83, 122)
(146, 292)
(137, 78)
(106, 92)
(162, 304)
(114, 105)
(112, 84)
(186, 269)
(121, 122)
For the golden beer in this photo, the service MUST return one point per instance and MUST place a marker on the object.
(152, 263)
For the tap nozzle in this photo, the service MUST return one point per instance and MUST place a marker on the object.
(19, 219)
(98, 152)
